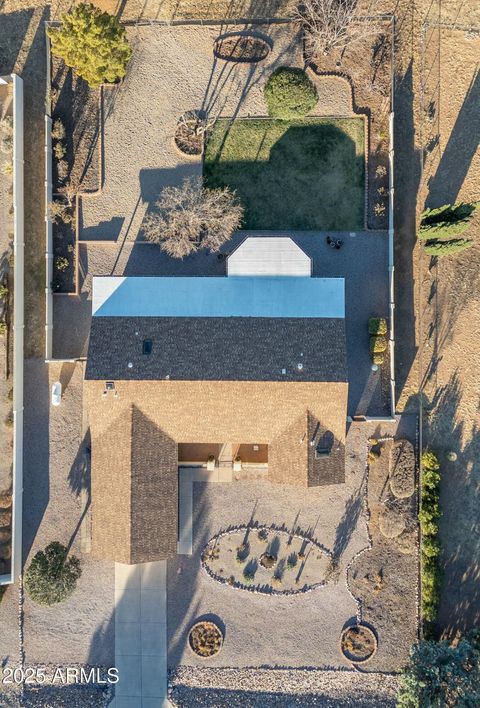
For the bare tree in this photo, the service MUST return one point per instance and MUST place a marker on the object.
(330, 25)
(191, 217)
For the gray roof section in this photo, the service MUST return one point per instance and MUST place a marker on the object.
(217, 349)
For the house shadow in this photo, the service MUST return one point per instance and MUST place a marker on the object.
(407, 179)
(103, 231)
(444, 186)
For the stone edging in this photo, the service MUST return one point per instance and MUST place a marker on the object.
(252, 588)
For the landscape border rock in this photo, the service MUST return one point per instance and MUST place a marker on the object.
(261, 589)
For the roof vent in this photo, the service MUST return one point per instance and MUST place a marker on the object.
(130, 365)
(147, 347)
(300, 366)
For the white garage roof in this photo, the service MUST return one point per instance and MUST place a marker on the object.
(276, 255)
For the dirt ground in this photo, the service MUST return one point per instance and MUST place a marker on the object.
(449, 302)
(385, 578)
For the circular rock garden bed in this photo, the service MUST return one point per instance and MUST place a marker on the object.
(241, 47)
(358, 643)
(190, 133)
(205, 639)
(266, 560)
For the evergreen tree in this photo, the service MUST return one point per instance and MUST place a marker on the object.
(92, 42)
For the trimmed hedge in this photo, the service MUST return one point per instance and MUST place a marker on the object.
(378, 344)
(378, 358)
(430, 547)
(377, 325)
(290, 94)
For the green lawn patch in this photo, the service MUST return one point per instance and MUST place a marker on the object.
(305, 174)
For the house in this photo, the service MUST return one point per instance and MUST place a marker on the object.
(253, 363)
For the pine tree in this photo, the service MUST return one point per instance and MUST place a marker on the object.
(93, 43)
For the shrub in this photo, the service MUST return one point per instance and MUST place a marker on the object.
(93, 43)
(430, 548)
(52, 575)
(5, 501)
(439, 674)
(3, 328)
(61, 263)
(378, 344)
(6, 134)
(59, 211)
(3, 292)
(377, 325)
(392, 522)
(58, 130)
(248, 575)
(59, 151)
(7, 168)
(290, 94)
(5, 518)
(378, 358)
(62, 170)
(445, 248)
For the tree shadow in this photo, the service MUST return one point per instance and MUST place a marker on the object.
(461, 147)
(347, 524)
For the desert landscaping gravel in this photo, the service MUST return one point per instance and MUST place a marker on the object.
(257, 688)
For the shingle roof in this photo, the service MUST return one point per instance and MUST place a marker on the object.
(217, 349)
(134, 490)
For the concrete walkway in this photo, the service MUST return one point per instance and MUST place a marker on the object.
(141, 635)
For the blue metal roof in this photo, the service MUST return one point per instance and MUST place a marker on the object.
(245, 296)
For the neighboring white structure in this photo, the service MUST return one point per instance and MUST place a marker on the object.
(18, 299)
(265, 255)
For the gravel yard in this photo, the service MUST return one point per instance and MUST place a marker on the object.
(265, 630)
(257, 688)
(173, 70)
(79, 630)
